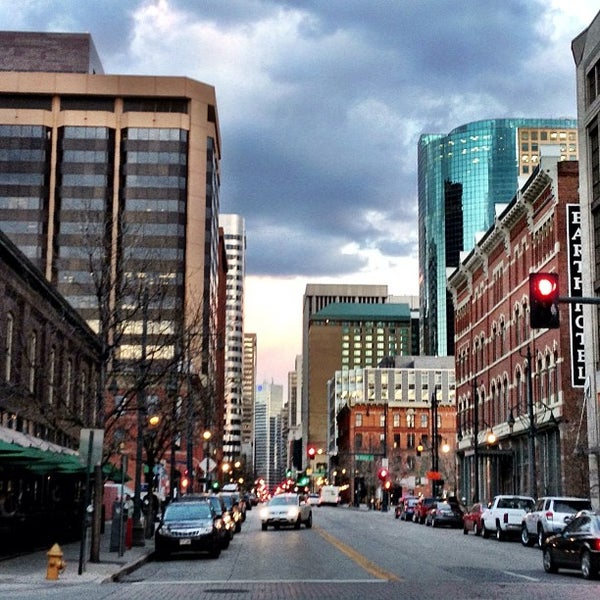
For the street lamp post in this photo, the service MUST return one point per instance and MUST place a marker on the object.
(206, 435)
(475, 443)
(532, 432)
(138, 527)
(435, 457)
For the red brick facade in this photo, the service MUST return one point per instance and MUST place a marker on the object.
(493, 341)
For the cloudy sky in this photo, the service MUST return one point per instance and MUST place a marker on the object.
(321, 104)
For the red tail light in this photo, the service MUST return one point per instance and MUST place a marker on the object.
(595, 544)
(550, 515)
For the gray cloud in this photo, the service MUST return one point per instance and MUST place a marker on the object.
(322, 103)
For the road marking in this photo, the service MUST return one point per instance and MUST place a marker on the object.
(362, 561)
(522, 576)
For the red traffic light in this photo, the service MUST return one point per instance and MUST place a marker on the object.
(312, 451)
(543, 301)
(383, 473)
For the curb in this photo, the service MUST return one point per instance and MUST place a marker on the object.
(128, 568)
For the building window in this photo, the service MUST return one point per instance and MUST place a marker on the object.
(410, 440)
(410, 419)
(396, 440)
(32, 353)
(358, 420)
(396, 418)
(382, 419)
(424, 421)
(358, 441)
(8, 354)
(51, 373)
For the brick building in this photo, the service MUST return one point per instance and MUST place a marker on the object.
(385, 413)
(533, 413)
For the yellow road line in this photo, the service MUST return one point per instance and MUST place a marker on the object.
(362, 561)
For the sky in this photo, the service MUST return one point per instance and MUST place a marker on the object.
(321, 104)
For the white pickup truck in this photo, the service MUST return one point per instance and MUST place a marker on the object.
(504, 515)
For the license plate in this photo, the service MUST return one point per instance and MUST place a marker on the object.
(185, 542)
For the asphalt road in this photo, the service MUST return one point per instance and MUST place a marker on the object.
(350, 555)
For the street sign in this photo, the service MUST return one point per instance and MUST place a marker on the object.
(364, 457)
(95, 458)
(207, 465)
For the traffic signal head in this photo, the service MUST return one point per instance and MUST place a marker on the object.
(312, 451)
(419, 448)
(543, 301)
(383, 473)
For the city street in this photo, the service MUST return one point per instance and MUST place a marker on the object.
(349, 554)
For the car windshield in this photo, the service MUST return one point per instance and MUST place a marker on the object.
(228, 502)
(187, 510)
(216, 504)
(283, 501)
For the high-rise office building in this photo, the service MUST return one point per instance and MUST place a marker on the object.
(110, 184)
(248, 391)
(462, 176)
(316, 297)
(345, 336)
(269, 449)
(234, 230)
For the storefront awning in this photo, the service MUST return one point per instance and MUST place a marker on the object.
(18, 449)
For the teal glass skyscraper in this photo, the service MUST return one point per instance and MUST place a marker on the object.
(462, 176)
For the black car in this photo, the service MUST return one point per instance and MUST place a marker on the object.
(188, 527)
(576, 547)
(445, 514)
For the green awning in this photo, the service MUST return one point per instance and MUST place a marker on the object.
(37, 460)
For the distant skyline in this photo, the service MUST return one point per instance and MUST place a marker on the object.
(321, 105)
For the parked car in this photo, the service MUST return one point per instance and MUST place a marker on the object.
(576, 547)
(234, 511)
(421, 507)
(472, 519)
(221, 511)
(444, 514)
(188, 527)
(405, 509)
(504, 515)
(550, 515)
(286, 509)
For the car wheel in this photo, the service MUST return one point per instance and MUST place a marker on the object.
(548, 561)
(540, 537)
(465, 530)
(225, 543)
(298, 523)
(215, 552)
(238, 527)
(525, 539)
(476, 528)
(264, 526)
(499, 533)
(308, 523)
(433, 523)
(589, 569)
(484, 531)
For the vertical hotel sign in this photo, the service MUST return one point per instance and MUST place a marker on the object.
(575, 291)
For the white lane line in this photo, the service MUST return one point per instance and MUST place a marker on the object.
(522, 576)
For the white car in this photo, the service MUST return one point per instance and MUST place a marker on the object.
(314, 499)
(286, 509)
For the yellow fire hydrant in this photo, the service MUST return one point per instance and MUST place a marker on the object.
(56, 564)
